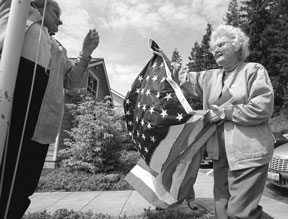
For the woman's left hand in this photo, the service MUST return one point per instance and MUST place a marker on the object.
(90, 42)
(215, 114)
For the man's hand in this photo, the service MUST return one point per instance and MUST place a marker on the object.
(90, 42)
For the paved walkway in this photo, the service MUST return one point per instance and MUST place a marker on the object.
(120, 203)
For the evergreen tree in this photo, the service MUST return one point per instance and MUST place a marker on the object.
(265, 22)
(194, 58)
(233, 16)
(256, 17)
(201, 59)
(176, 56)
(276, 34)
(208, 59)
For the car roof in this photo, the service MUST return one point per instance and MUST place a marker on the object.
(281, 152)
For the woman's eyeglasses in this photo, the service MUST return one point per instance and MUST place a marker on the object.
(218, 46)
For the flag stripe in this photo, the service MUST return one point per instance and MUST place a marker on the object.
(183, 166)
(175, 180)
(176, 140)
(184, 139)
(162, 152)
(149, 186)
(145, 191)
(170, 166)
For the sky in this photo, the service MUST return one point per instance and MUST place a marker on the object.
(125, 26)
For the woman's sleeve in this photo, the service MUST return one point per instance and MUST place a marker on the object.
(75, 71)
(260, 105)
(191, 79)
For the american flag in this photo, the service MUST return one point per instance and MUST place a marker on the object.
(167, 132)
(151, 107)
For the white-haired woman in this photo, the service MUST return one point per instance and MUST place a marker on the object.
(242, 146)
(54, 72)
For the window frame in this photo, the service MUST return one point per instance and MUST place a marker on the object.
(90, 72)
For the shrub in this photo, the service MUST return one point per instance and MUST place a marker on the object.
(64, 213)
(96, 137)
(63, 179)
(279, 123)
(128, 160)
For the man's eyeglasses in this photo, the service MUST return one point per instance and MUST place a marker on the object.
(218, 46)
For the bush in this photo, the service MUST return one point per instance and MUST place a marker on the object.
(96, 137)
(65, 214)
(128, 160)
(279, 123)
(63, 179)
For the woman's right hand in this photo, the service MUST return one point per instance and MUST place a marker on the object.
(159, 52)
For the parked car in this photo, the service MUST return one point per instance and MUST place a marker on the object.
(278, 166)
(279, 139)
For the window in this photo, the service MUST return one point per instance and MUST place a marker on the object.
(92, 84)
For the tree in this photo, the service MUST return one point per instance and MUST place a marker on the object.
(265, 22)
(277, 33)
(200, 58)
(208, 59)
(176, 56)
(256, 17)
(233, 15)
(194, 63)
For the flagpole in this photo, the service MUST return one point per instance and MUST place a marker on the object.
(9, 63)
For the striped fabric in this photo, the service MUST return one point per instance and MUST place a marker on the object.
(168, 134)
(174, 164)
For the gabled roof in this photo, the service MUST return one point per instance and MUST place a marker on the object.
(117, 98)
(118, 94)
(99, 61)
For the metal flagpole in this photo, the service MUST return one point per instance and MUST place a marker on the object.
(25, 120)
(9, 63)
(26, 116)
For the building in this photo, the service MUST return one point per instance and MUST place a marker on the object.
(118, 98)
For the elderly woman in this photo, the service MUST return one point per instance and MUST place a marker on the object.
(44, 116)
(242, 146)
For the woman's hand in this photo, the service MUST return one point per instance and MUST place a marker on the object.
(159, 52)
(90, 42)
(215, 114)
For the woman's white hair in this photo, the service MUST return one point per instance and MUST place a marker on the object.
(237, 36)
